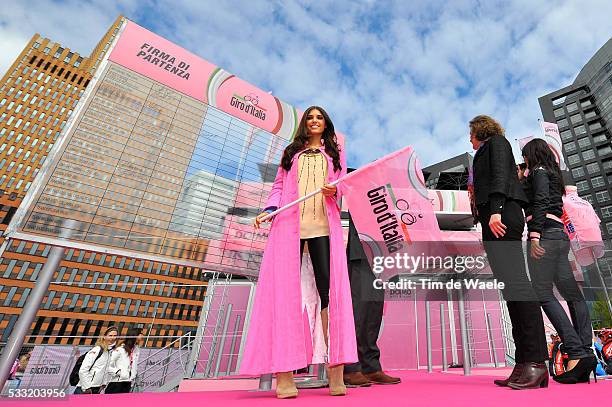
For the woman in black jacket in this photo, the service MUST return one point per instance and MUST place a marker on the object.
(548, 261)
(498, 197)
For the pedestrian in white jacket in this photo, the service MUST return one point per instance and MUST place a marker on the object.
(123, 364)
(92, 373)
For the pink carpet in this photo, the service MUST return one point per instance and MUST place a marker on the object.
(418, 388)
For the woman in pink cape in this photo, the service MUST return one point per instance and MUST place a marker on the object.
(278, 340)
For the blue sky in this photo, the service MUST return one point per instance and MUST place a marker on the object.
(390, 73)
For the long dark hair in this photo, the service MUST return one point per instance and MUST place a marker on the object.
(301, 138)
(538, 154)
(129, 343)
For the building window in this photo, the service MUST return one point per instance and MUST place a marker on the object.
(562, 123)
(602, 196)
(559, 112)
(604, 150)
(573, 159)
(588, 155)
(609, 227)
(570, 147)
(598, 182)
(600, 138)
(10, 296)
(593, 168)
(606, 211)
(582, 186)
(580, 130)
(584, 142)
(572, 107)
(588, 198)
(576, 118)
(590, 114)
(595, 126)
(585, 103)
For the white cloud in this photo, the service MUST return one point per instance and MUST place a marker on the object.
(389, 72)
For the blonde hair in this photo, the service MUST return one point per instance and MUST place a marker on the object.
(101, 342)
(484, 127)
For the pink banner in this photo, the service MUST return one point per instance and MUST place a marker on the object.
(249, 103)
(146, 53)
(149, 54)
(390, 203)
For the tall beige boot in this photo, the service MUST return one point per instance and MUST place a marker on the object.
(285, 386)
(336, 380)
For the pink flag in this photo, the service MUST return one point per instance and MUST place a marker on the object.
(389, 204)
(582, 226)
(552, 138)
(525, 140)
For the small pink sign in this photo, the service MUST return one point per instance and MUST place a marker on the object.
(249, 103)
(155, 57)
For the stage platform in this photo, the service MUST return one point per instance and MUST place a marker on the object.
(418, 388)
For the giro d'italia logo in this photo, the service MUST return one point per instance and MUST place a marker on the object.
(249, 104)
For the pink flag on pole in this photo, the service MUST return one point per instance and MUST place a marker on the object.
(390, 205)
(525, 140)
(552, 138)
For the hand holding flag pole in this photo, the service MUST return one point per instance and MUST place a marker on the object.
(297, 201)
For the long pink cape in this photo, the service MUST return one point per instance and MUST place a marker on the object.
(279, 339)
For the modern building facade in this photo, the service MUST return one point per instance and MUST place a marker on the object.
(143, 154)
(451, 174)
(583, 112)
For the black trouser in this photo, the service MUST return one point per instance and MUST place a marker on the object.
(368, 304)
(94, 390)
(554, 267)
(507, 262)
(118, 387)
(318, 247)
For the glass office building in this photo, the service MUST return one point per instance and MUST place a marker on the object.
(583, 112)
(146, 186)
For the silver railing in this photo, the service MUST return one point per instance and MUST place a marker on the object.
(163, 369)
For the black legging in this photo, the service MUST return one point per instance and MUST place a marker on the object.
(318, 247)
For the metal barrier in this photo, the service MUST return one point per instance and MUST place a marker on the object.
(168, 366)
(49, 366)
(478, 344)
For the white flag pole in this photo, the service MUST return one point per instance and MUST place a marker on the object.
(542, 127)
(297, 201)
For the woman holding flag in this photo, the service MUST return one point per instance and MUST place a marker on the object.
(497, 199)
(549, 264)
(277, 341)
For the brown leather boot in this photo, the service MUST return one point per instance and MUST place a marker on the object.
(381, 377)
(516, 372)
(534, 375)
(356, 379)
